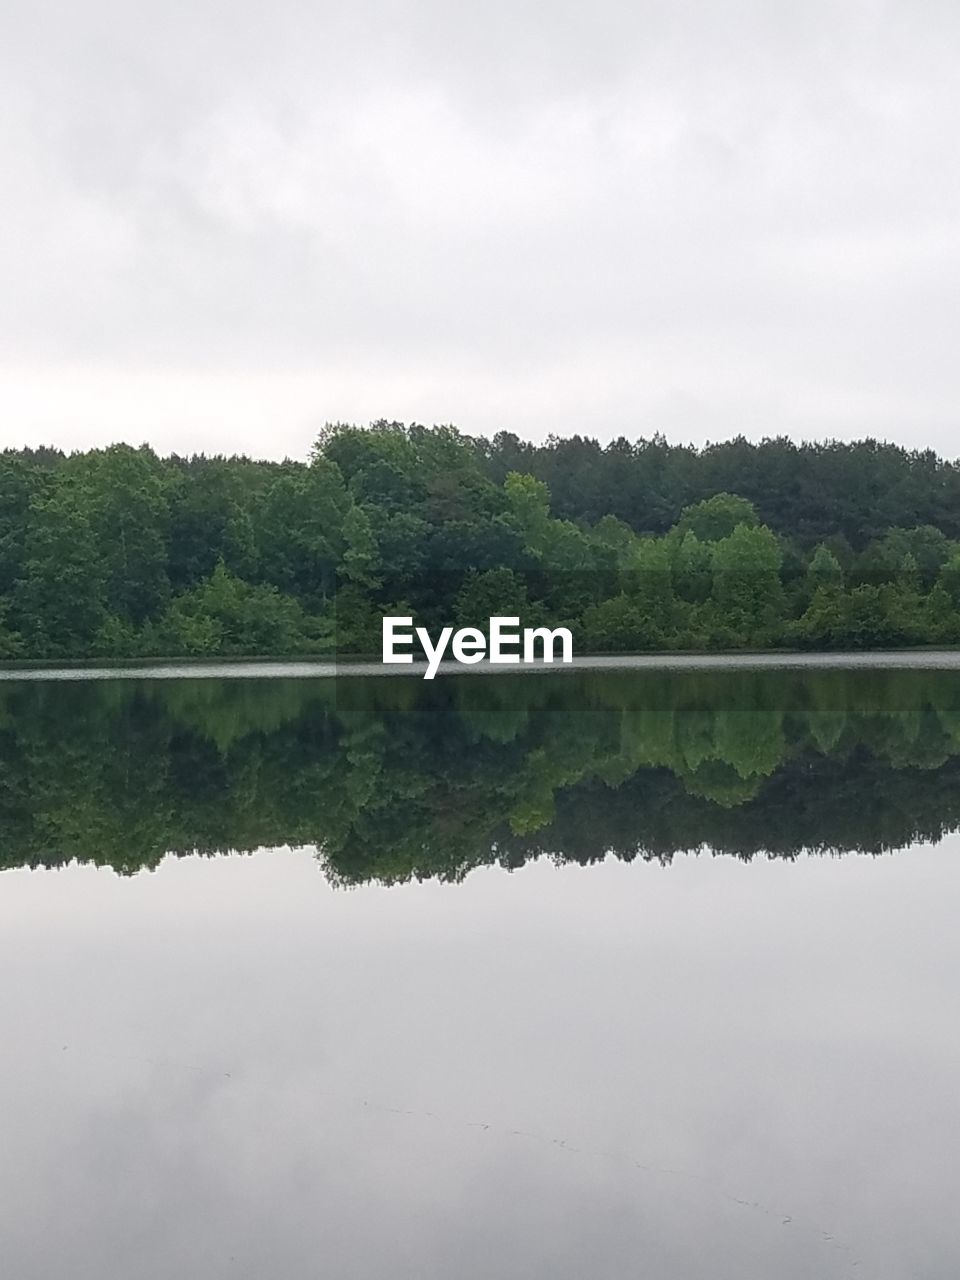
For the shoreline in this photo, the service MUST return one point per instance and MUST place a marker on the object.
(328, 668)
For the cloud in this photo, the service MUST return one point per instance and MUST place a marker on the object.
(619, 218)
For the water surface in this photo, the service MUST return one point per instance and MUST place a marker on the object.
(650, 973)
(319, 668)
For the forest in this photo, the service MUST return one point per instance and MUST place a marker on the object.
(393, 780)
(635, 546)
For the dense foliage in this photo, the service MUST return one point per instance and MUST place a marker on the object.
(393, 779)
(118, 553)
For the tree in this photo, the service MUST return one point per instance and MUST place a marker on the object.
(11, 642)
(823, 624)
(648, 584)
(825, 570)
(747, 592)
(493, 593)
(717, 517)
(874, 618)
(59, 601)
(693, 568)
(949, 578)
(300, 531)
(638, 543)
(209, 521)
(361, 555)
(617, 536)
(620, 625)
(225, 615)
(528, 506)
(124, 497)
(19, 481)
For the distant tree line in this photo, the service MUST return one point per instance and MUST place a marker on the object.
(392, 780)
(118, 553)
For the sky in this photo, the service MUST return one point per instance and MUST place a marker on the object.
(225, 224)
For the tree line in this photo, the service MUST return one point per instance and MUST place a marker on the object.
(119, 553)
(392, 780)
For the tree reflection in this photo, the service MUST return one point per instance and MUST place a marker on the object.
(393, 779)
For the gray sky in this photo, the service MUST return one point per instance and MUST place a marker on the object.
(222, 224)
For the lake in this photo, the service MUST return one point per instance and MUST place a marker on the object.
(647, 970)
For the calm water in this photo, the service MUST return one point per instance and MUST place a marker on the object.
(647, 973)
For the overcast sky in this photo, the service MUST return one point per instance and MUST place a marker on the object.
(222, 224)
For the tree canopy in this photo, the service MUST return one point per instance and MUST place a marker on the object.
(635, 546)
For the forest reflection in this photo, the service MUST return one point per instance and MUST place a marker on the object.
(393, 779)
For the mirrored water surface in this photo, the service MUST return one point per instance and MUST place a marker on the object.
(625, 973)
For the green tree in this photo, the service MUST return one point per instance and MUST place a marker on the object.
(747, 592)
(825, 570)
(495, 592)
(528, 505)
(59, 601)
(823, 624)
(125, 500)
(693, 568)
(19, 481)
(717, 517)
(225, 615)
(619, 625)
(949, 577)
(649, 585)
(210, 520)
(361, 557)
(300, 530)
